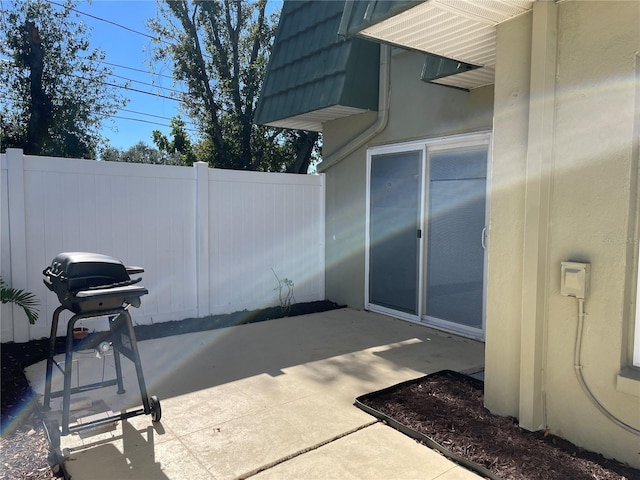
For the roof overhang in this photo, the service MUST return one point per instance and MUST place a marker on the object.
(462, 30)
(313, 75)
(313, 120)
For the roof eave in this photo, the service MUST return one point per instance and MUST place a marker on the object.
(464, 31)
(313, 120)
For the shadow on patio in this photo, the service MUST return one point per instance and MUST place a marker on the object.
(240, 400)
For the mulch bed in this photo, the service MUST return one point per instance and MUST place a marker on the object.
(25, 453)
(448, 408)
(23, 445)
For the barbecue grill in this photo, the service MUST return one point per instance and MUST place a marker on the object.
(92, 285)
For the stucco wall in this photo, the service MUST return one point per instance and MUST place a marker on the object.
(591, 218)
(418, 110)
(590, 212)
(508, 168)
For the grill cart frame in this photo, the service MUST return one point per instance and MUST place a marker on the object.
(94, 286)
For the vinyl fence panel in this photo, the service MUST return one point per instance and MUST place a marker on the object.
(209, 240)
(267, 226)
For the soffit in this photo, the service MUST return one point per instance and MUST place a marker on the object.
(313, 120)
(462, 30)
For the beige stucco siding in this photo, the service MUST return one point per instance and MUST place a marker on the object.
(508, 169)
(345, 217)
(590, 213)
(423, 110)
(418, 110)
(591, 218)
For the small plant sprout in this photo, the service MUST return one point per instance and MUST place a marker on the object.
(285, 293)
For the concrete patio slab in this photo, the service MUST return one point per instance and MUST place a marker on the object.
(268, 400)
(373, 452)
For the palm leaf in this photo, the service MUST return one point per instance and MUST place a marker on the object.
(26, 300)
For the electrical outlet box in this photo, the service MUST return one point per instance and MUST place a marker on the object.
(574, 279)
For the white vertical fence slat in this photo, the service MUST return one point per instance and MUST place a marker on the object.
(202, 237)
(209, 240)
(17, 233)
(6, 323)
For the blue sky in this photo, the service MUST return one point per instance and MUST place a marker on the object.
(133, 50)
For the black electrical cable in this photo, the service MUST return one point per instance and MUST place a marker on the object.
(148, 121)
(136, 69)
(152, 115)
(109, 21)
(145, 83)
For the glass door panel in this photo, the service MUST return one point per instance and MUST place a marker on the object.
(395, 192)
(455, 251)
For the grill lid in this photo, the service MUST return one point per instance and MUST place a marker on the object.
(81, 270)
(84, 280)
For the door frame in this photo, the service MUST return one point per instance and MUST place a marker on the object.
(426, 147)
(385, 150)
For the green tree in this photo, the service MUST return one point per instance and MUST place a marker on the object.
(180, 146)
(220, 50)
(111, 154)
(138, 153)
(53, 95)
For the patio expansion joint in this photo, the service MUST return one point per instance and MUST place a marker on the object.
(180, 440)
(270, 465)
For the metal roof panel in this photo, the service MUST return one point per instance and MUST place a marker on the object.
(311, 68)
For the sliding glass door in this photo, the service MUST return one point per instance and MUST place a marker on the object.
(426, 232)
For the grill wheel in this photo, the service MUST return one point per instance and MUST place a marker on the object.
(156, 410)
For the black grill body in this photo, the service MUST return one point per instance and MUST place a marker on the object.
(90, 282)
(93, 285)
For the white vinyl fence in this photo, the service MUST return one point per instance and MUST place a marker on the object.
(209, 240)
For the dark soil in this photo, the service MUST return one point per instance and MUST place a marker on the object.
(448, 408)
(24, 448)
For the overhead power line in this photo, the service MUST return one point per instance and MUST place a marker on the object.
(159, 95)
(145, 83)
(149, 122)
(157, 39)
(108, 21)
(137, 90)
(136, 69)
(152, 115)
(131, 89)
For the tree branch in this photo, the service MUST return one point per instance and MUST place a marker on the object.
(200, 76)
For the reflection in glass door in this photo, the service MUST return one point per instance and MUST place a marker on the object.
(455, 239)
(395, 199)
